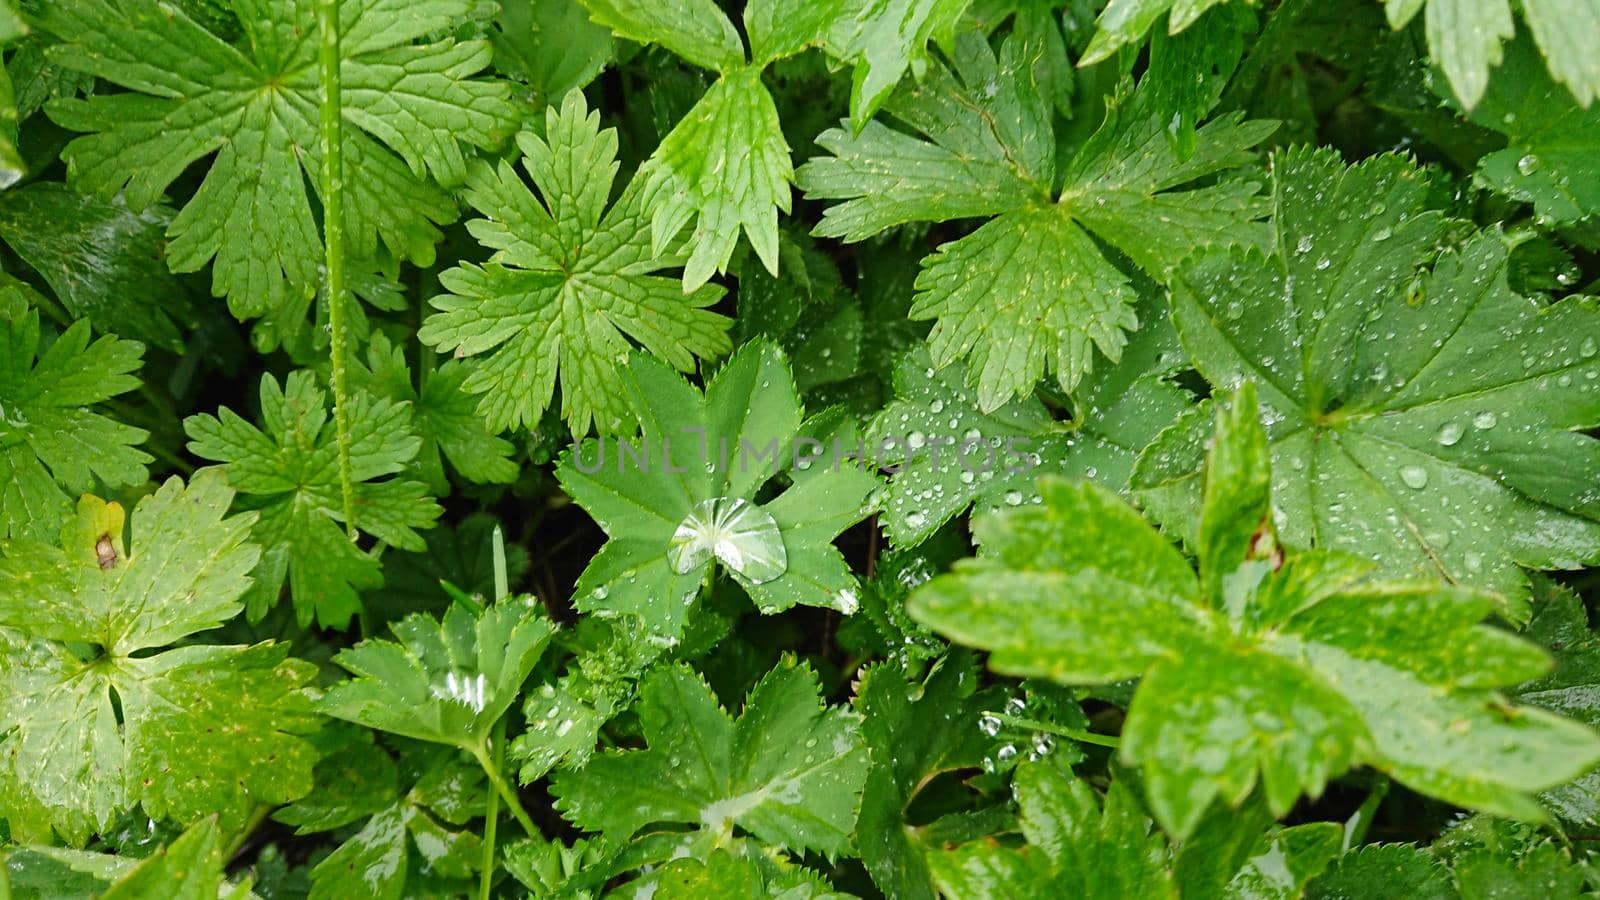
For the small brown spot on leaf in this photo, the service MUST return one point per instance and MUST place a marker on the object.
(105, 553)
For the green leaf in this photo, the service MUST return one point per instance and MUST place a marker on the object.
(400, 845)
(52, 441)
(1188, 71)
(1285, 860)
(354, 779)
(408, 109)
(444, 681)
(915, 730)
(289, 470)
(741, 871)
(190, 868)
(403, 850)
(569, 285)
(789, 770)
(1553, 143)
(886, 40)
(102, 260)
(1124, 22)
(991, 152)
(551, 44)
(443, 416)
(694, 29)
(1077, 846)
(1288, 669)
(185, 732)
(1561, 624)
(782, 28)
(726, 165)
(1384, 872)
(702, 456)
(1465, 38)
(562, 728)
(987, 461)
(1429, 428)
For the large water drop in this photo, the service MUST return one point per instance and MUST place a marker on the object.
(740, 534)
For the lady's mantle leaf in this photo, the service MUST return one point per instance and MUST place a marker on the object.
(445, 681)
(789, 770)
(1424, 420)
(700, 459)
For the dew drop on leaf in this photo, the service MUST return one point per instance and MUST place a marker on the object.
(1449, 434)
(1415, 477)
(740, 534)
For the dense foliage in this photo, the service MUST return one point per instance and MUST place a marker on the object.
(799, 448)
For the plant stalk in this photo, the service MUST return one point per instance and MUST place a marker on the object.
(491, 803)
(506, 793)
(491, 814)
(333, 244)
(1082, 737)
(257, 816)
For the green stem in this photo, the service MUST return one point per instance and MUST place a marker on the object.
(491, 815)
(257, 816)
(1082, 737)
(333, 243)
(502, 578)
(506, 793)
(491, 803)
(1355, 828)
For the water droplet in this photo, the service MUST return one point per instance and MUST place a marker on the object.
(1016, 706)
(1013, 498)
(1043, 745)
(916, 439)
(1304, 246)
(1415, 477)
(1528, 164)
(1449, 433)
(1006, 754)
(989, 724)
(742, 535)
(601, 592)
(1485, 420)
(1588, 347)
(469, 690)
